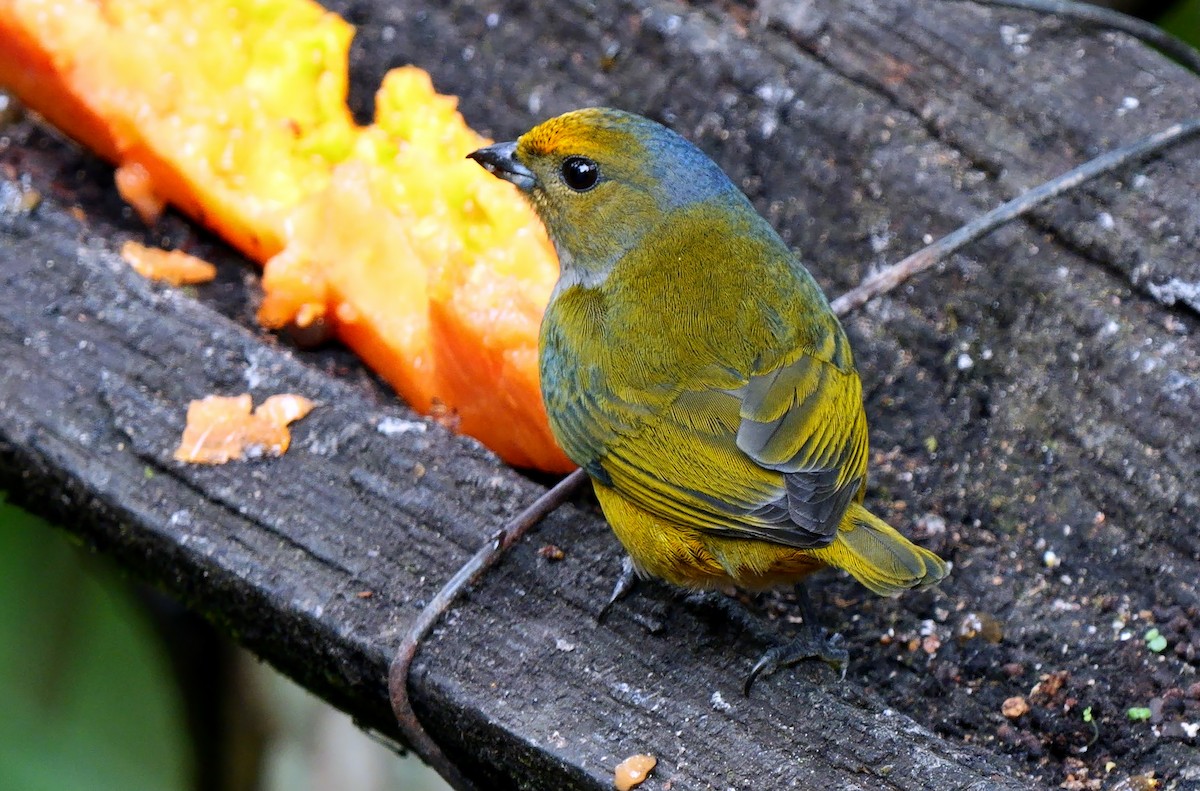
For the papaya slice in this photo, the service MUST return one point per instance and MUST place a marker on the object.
(234, 111)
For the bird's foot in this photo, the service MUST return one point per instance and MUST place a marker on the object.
(653, 622)
(810, 643)
(730, 610)
(625, 584)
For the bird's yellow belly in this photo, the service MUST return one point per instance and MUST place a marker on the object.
(691, 558)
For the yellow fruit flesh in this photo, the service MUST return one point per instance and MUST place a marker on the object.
(234, 111)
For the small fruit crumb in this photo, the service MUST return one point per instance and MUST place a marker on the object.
(930, 644)
(220, 428)
(168, 266)
(1142, 782)
(551, 552)
(979, 624)
(633, 771)
(1014, 707)
(136, 185)
(445, 415)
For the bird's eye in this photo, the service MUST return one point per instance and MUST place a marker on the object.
(580, 173)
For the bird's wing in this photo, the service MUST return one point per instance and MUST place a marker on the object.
(778, 459)
(806, 420)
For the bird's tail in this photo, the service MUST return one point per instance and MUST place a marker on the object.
(879, 557)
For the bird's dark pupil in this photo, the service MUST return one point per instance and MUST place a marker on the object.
(580, 173)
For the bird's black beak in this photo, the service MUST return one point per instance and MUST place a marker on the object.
(501, 161)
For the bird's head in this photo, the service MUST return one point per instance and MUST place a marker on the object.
(601, 179)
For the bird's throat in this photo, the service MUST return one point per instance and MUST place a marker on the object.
(572, 274)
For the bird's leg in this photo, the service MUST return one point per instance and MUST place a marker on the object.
(626, 582)
(703, 599)
(653, 622)
(731, 611)
(811, 642)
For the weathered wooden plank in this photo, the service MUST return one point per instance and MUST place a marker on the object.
(858, 128)
(279, 552)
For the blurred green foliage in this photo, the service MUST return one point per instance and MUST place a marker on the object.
(89, 703)
(1183, 21)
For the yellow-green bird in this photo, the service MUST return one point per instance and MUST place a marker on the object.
(692, 366)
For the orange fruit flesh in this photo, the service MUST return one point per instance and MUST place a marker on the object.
(169, 266)
(221, 429)
(234, 111)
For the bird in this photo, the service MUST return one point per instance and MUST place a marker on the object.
(693, 367)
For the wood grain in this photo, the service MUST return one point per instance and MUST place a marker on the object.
(1055, 365)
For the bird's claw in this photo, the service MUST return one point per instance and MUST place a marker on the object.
(809, 644)
(625, 584)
